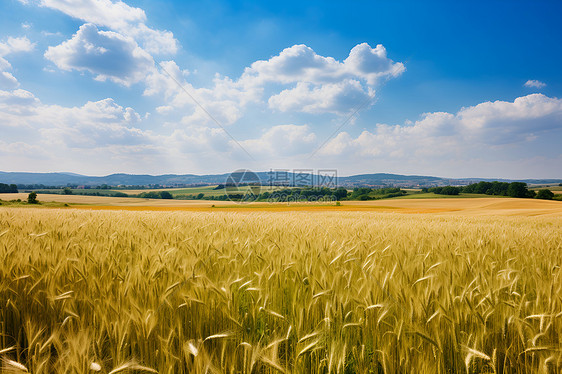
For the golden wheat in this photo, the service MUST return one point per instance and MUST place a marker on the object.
(178, 292)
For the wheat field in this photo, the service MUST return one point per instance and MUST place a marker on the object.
(265, 292)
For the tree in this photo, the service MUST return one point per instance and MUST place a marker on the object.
(447, 190)
(200, 196)
(150, 195)
(518, 189)
(165, 195)
(340, 193)
(32, 198)
(67, 191)
(545, 194)
(12, 188)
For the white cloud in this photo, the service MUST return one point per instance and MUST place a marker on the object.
(8, 81)
(225, 101)
(102, 133)
(9, 46)
(489, 124)
(315, 84)
(153, 41)
(532, 83)
(225, 112)
(49, 33)
(96, 124)
(120, 17)
(19, 102)
(200, 141)
(102, 136)
(164, 109)
(335, 98)
(57, 129)
(300, 63)
(95, 136)
(4, 64)
(115, 15)
(14, 45)
(323, 84)
(165, 82)
(106, 54)
(282, 140)
(372, 64)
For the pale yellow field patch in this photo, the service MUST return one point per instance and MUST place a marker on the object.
(114, 201)
(449, 206)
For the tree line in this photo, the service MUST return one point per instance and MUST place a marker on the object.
(367, 193)
(513, 189)
(8, 188)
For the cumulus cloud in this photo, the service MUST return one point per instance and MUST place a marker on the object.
(310, 83)
(153, 41)
(14, 45)
(95, 124)
(372, 63)
(99, 132)
(102, 12)
(106, 54)
(487, 124)
(296, 80)
(533, 83)
(120, 17)
(95, 135)
(323, 84)
(282, 140)
(300, 63)
(334, 98)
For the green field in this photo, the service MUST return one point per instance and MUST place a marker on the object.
(206, 190)
(75, 191)
(23, 203)
(176, 192)
(553, 189)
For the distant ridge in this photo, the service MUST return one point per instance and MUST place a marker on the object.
(378, 179)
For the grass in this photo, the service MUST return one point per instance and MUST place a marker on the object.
(185, 292)
(556, 189)
(22, 203)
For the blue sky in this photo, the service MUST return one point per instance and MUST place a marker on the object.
(454, 89)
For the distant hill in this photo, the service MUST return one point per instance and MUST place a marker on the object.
(379, 179)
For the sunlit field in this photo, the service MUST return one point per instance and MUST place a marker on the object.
(194, 292)
(451, 206)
